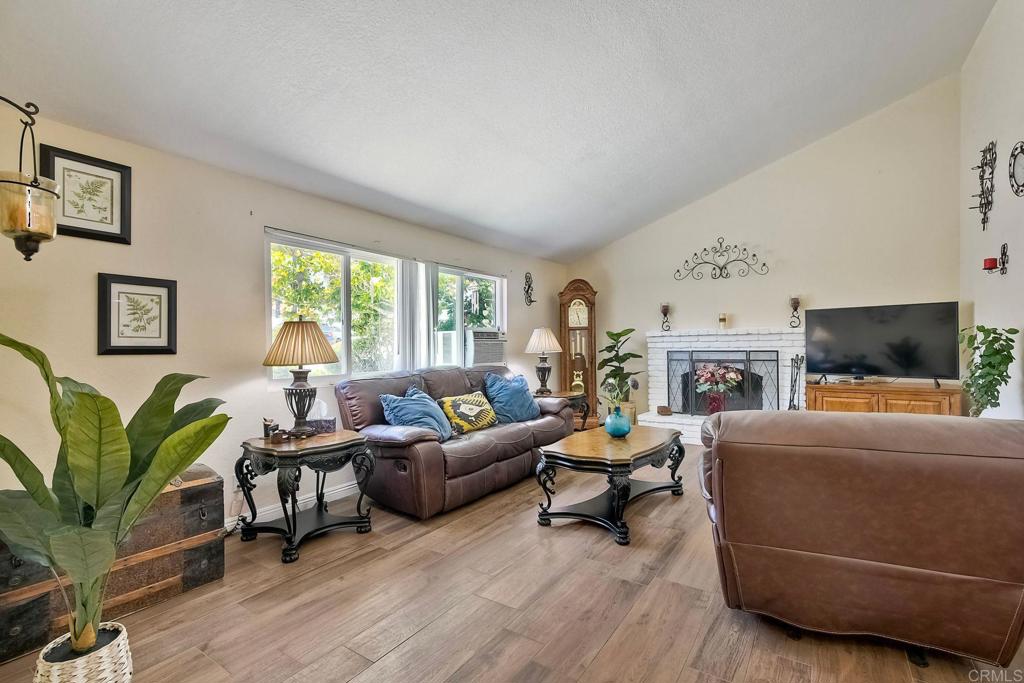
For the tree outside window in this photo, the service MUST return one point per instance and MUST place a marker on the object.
(307, 282)
(478, 308)
(374, 288)
(479, 302)
(310, 283)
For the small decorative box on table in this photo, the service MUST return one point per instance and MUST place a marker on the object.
(322, 453)
(595, 451)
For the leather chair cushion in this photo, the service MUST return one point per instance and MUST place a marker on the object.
(359, 399)
(552, 406)
(477, 450)
(444, 382)
(477, 374)
(547, 429)
(470, 487)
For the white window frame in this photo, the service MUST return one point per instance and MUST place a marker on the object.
(500, 306)
(273, 236)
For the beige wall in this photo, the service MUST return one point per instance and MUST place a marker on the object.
(992, 103)
(203, 227)
(867, 215)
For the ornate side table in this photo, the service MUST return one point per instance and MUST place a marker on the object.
(595, 451)
(322, 453)
(577, 400)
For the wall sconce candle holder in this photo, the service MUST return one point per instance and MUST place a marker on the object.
(794, 318)
(665, 326)
(997, 265)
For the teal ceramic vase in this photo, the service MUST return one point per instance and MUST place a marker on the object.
(617, 425)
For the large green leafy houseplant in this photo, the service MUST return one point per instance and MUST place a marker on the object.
(615, 361)
(106, 476)
(989, 353)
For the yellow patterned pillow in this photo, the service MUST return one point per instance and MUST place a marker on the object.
(468, 412)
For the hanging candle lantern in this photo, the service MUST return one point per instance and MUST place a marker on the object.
(27, 202)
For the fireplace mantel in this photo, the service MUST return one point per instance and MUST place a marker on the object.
(787, 341)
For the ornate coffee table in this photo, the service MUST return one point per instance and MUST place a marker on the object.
(322, 453)
(595, 451)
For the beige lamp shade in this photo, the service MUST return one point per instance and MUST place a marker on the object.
(300, 342)
(543, 341)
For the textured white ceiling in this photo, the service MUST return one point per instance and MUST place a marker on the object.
(546, 126)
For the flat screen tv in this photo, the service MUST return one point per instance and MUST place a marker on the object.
(912, 340)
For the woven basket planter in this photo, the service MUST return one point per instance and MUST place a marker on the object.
(110, 664)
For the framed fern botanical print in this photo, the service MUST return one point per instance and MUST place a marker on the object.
(96, 195)
(137, 315)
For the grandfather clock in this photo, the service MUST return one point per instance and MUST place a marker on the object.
(579, 342)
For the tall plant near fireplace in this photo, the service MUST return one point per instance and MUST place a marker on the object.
(614, 362)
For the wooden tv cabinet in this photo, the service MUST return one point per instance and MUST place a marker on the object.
(886, 397)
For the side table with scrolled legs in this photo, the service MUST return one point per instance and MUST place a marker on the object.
(322, 454)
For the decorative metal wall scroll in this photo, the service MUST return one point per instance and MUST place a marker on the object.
(986, 181)
(528, 290)
(717, 259)
(665, 326)
(1017, 169)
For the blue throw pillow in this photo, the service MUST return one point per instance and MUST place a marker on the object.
(416, 409)
(510, 398)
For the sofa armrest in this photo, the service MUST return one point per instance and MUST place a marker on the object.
(551, 406)
(397, 435)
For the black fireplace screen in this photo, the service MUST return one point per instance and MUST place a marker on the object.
(758, 390)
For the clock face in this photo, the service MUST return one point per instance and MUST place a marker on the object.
(579, 314)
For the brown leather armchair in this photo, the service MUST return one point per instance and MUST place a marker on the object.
(418, 474)
(903, 526)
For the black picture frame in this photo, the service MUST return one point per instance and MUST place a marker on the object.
(48, 156)
(105, 346)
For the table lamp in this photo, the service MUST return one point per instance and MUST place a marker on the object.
(543, 343)
(300, 342)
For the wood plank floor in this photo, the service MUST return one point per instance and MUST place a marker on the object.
(485, 594)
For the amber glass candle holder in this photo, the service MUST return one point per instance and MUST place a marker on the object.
(27, 214)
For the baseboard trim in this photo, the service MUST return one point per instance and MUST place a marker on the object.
(273, 510)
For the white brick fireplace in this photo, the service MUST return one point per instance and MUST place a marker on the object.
(787, 341)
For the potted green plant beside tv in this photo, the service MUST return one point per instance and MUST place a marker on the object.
(989, 352)
(107, 475)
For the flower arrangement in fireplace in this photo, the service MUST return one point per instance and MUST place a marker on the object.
(716, 381)
(717, 378)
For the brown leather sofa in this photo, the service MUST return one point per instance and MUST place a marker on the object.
(418, 474)
(903, 526)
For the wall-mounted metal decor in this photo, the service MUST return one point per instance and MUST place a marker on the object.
(986, 181)
(665, 326)
(717, 260)
(794, 317)
(528, 290)
(1017, 169)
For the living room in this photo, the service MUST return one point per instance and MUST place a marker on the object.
(212, 201)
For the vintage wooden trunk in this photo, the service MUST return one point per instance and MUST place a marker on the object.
(177, 546)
